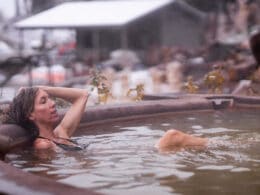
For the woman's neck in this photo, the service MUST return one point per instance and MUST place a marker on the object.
(46, 131)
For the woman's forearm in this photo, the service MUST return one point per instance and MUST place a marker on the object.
(68, 94)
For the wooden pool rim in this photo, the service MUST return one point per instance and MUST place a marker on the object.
(12, 180)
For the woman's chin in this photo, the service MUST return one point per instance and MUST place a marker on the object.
(55, 118)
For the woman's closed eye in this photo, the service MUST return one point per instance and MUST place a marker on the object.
(44, 100)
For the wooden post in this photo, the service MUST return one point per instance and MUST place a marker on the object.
(96, 45)
(124, 39)
(21, 41)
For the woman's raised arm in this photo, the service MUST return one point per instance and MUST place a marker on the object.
(78, 98)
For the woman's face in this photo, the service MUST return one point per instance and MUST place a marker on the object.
(44, 109)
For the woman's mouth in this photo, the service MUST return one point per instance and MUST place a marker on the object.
(54, 112)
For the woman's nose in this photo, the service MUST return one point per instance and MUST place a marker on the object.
(52, 103)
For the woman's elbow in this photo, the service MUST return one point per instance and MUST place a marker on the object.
(83, 96)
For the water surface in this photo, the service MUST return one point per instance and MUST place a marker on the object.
(121, 157)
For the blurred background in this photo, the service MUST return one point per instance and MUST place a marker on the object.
(116, 46)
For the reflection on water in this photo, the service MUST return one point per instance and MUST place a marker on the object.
(122, 159)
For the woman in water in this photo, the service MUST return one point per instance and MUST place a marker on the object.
(34, 110)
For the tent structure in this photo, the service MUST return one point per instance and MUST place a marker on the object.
(112, 13)
(127, 24)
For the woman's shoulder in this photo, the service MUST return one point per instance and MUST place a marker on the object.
(42, 144)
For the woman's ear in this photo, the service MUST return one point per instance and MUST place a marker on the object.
(31, 116)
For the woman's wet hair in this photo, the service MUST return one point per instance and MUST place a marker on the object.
(21, 108)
